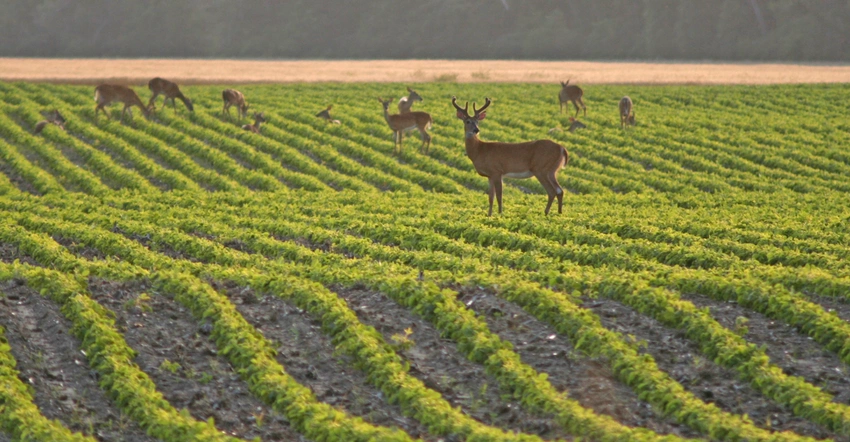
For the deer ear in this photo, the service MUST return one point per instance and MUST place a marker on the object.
(482, 115)
(461, 115)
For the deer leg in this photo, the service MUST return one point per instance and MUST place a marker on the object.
(550, 191)
(153, 99)
(577, 108)
(498, 185)
(559, 192)
(583, 107)
(491, 192)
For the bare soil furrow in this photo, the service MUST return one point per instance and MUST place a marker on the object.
(794, 352)
(49, 359)
(175, 351)
(587, 380)
(682, 359)
(308, 355)
(437, 363)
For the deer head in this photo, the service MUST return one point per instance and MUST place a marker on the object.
(413, 95)
(470, 123)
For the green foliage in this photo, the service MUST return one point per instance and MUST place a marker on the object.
(718, 192)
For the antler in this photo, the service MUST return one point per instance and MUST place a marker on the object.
(480, 111)
(465, 110)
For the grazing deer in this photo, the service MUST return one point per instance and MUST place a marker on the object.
(258, 118)
(575, 124)
(161, 86)
(232, 97)
(411, 120)
(541, 159)
(627, 114)
(573, 93)
(105, 94)
(326, 115)
(405, 103)
(53, 117)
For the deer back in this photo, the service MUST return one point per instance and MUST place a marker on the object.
(570, 92)
(625, 106)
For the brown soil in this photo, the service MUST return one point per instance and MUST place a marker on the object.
(176, 352)
(49, 359)
(682, 359)
(587, 380)
(139, 71)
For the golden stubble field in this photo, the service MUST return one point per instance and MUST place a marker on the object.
(139, 71)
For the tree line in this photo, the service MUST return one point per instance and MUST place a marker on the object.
(757, 30)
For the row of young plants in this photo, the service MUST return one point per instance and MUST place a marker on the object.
(705, 418)
(422, 403)
(252, 356)
(283, 154)
(765, 377)
(242, 152)
(67, 173)
(41, 181)
(92, 159)
(104, 347)
(19, 416)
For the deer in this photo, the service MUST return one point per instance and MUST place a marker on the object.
(405, 103)
(575, 125)
(160, 86)
(541, 159)
(53, 117)
(627, 113)
(258, 118)
(232, 97)
(411, 120)
(573, 93)
(326, 115)
(105, 94)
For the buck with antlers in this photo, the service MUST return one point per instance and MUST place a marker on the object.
(258, 118)
(105, 94)
(541, 159)
(571, 93)
(627, 114)
(232, 97)
(161, 86)
(411, 120)
(405, 103)
(53, 117)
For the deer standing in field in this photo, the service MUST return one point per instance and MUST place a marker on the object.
(405, 103)
(53, 117)
(258, 118)
(570, 92)
(326, 115)
(411, 120)
(627, 114)
(105, 94)
(541, 159)
(232, 97)
(161, 86)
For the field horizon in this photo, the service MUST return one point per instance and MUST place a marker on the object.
(204, 71)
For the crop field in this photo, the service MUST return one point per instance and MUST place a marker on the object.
(178, 278)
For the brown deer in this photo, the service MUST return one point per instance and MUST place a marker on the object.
(326, 115)
(405, 103)
(161, 86)
(627, 113)
(573, 93)
(53, 117)
(258, 118)
(105, 94)
(575, 124)
(232, 97)
(541, 159)
(411, 120)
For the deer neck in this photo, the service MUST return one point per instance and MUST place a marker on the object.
(473, 146)
(387, 117)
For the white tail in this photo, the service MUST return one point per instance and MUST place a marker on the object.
(405, 103)
(258, 118)
(541, 159)
(411, 120)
